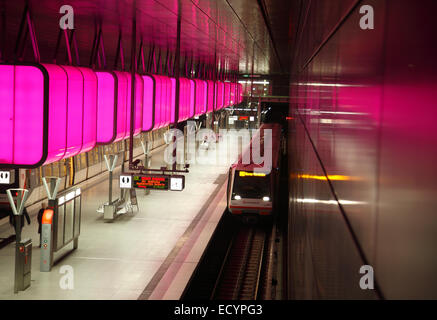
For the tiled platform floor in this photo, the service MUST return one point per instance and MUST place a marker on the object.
(117, 260)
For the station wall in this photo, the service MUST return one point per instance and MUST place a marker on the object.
(362, 150)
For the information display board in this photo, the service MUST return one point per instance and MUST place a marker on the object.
(158, 182)
(151, 182)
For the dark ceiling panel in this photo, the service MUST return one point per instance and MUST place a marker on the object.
(233, 31)
(280, 18)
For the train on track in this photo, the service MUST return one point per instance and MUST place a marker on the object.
(253, 185)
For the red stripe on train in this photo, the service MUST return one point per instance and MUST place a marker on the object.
(256, 208)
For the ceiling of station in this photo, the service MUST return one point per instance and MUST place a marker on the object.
(235, 32)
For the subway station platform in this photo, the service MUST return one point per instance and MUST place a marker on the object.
(147, 254)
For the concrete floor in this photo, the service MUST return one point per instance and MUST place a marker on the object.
(117, 260)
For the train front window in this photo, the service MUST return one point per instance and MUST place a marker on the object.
(250, 185)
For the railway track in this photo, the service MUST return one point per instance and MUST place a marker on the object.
(236, 266)
(241, 272)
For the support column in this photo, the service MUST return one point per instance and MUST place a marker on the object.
(177, 74)
(23, 249)
(133, 74)
(110, 161)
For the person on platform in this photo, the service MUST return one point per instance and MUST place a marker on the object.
(40, 214)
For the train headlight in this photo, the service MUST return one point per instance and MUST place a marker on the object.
(237, 197)
(266, 198)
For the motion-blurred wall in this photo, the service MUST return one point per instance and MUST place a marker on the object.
(363, 156)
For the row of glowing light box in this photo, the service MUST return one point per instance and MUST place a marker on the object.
(50, 112)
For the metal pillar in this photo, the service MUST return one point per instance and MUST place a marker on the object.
(48, 234)
(133, 76)
(51, 188)
(23, 265)
(17, 209)
(177, 73)
(23, 249)
(110, 161)
(251, 77)
(147, 147)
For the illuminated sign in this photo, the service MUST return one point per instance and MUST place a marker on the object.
(243, 118)
(159, 182)
(47, 216)
(151, 182)
(7, 177)
(251, 174)
(177, 183)
(335, 177)
(125, 182)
